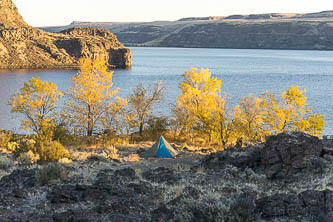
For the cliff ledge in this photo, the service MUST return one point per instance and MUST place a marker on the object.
(25, 47)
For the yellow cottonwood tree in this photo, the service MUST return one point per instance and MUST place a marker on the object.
(201, 100)
(36, 102)
(249, 119)
(114, 115)
(89, 96)
(291, 112)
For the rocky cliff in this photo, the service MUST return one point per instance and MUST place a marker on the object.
(25, 47)
(258, 31)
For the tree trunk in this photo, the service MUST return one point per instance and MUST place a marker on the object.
(141, 129)
(89, 128)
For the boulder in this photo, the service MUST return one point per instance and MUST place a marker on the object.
(238, 157)
(286, 154)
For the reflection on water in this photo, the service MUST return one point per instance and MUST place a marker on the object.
(242, 72)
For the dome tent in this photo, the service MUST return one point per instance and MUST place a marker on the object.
(161, 149)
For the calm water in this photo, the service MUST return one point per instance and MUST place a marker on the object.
(242, 72)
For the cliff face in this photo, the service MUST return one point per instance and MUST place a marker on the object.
(267, 35)
(25, 47)
(259, 31)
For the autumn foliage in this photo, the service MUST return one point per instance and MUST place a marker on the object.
(202, 108)
(201, 111)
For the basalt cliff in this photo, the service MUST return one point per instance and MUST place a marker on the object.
(312, 31)
(26, 47)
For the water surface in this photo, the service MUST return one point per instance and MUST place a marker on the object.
(242, 72)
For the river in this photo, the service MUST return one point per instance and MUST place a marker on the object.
(242, 71)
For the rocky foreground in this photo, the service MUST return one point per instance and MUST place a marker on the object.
(25, 47)
(289, 178)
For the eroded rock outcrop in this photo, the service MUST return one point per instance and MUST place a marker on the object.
(285, 154)
(22, 46)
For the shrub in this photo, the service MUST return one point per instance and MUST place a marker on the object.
(5, 137)
(12, 146)
(62, 134)
(5, 163)
(22, 146)
(54, 151)
(132, 158)
(51, 173)
(157, 126)
(28, 158)
(110, 152)
(46, 152)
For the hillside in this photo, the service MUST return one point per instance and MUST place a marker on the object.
(260, 31)
(25, 47)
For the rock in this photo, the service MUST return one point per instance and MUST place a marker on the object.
(78, 215)
(162, 214)
(286, 154)
(128, 173)
(19, 179)
(238, 157)
(311, 204)
(25, 47)
(9, 16)
(162, 175)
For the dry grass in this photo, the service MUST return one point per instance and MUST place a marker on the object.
(132, 158)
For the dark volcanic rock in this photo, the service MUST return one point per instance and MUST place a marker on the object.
(24, 47)
(20, 179)
(17, 184)
(239, 157)
(311, 203)
(162, 214)
(126, 173)
(162, 175)
(287, 154)
(79, 215)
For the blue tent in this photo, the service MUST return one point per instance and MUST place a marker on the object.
(161, 149)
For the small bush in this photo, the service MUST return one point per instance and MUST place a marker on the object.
(28, 158)
(62, 134)
(51, 173)
(156, 127)
(22, 146)
(12, 146)
(132, 158)
(5, 137)
(24, 149)
(54, 151)
(110, 152)
(5, 163)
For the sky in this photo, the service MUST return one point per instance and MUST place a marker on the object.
(63, 12)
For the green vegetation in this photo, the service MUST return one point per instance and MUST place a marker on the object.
(50, 173)
(93, 115)
(5, 163)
